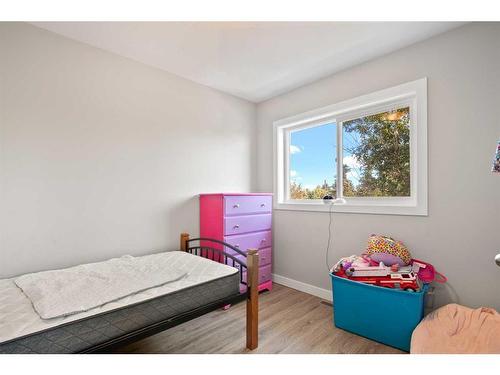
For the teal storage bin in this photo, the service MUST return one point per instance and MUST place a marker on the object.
(382, 314)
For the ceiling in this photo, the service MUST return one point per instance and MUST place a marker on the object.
(252, 60)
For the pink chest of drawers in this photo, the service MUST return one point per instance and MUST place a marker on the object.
(244, 221)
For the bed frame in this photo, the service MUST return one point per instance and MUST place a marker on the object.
(206, 249)
(214, 250)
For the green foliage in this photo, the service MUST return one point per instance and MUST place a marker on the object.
(383, 152)
(298, 192)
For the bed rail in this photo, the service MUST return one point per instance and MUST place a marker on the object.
(207, 249)
(216, 254)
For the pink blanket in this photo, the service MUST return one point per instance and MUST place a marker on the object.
(458, 329)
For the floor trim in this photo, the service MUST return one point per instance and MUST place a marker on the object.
(325, 294)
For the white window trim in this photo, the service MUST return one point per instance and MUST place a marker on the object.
(411, 93)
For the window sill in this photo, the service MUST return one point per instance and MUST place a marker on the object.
(377, 208)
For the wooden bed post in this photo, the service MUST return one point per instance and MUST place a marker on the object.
(252, 299)
(184, 240)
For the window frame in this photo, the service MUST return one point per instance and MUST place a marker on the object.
(412, 94)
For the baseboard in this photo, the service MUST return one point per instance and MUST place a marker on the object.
(303, 287)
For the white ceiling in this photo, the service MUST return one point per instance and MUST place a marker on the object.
(251, 60)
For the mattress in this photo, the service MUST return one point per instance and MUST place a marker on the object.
(23, 331)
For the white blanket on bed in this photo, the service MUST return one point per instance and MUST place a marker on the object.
(81, 288)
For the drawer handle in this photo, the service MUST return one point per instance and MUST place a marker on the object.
(236, 226)
(263, 240)
(263, 205)
(236, 205)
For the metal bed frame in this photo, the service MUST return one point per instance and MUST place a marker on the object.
(207, 248)
(215, 251)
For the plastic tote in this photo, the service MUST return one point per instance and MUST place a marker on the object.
(382, 314)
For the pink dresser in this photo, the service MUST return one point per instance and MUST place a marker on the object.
(241, 220)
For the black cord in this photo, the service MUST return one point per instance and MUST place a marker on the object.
(329, 235)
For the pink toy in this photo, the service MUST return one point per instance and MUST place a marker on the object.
(349, 262)
(427, 273)
(369, 260)
(346, 265)
(395, 267)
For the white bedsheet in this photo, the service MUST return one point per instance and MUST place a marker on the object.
(77, 289)
(18, 318)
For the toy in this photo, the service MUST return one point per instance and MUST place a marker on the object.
(406, 281)
(348, 262)
(367, 271)
(387, 250)
(361, 269)
(401, 280)
(427, 273)
(395, 267)
(496, 161)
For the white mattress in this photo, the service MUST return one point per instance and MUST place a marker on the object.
(18, 318)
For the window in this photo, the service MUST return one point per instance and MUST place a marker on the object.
(370, 153)
(376, 154)
(312, 167)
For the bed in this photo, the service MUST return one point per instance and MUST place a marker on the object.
(215, 279)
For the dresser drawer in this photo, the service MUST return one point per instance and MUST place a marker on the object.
(264, 274)
(244, 242)
(247, 204)
(229, 261)
(245, 224)
(265, 256)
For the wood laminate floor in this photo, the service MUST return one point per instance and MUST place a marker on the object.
(290, 322)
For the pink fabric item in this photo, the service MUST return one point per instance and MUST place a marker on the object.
(455, 329)
(427, 273)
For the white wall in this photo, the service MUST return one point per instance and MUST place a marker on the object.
(101, 156)
(460, 235)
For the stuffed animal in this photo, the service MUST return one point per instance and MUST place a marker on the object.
(351, 261)
(387, 250)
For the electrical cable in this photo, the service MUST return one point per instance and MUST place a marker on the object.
(329, 235)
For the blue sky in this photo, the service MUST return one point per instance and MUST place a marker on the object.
(313, 153)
